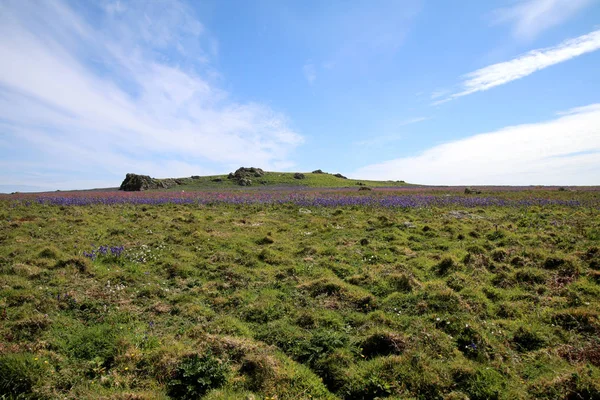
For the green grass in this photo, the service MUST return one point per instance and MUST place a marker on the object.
(283, 179)
(263, 301)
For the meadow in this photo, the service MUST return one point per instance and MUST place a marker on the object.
(397, 293)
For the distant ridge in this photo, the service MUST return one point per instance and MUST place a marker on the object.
(250, 176)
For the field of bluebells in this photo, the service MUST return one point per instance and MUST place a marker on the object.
(409, 197)
(299, 293)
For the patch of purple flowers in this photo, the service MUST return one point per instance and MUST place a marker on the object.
(309, 200)
(105, 251)
(388, 198)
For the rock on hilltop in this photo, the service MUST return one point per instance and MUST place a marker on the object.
(243, 176)
(137, 183)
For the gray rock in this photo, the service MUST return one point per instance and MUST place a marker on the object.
(138, 183)
(242, 176)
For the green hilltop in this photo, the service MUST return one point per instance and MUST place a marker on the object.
(252, 177)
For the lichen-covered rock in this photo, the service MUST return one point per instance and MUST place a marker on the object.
(242, 176)
(137, 183)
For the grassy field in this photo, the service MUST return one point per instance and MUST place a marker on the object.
(318, 180)
(280, 300)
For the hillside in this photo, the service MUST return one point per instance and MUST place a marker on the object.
(256, 177)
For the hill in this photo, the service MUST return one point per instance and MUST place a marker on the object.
(251, 177)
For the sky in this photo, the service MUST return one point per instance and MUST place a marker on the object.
(466, 92)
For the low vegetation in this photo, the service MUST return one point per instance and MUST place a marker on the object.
(475, 298)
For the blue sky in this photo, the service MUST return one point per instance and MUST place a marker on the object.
(434, 92)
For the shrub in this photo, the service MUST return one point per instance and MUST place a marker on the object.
(196, 375)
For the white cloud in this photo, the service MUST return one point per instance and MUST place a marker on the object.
(524, 65)
(109, 99)
(563, 151)
(310, 72)
(531, 17)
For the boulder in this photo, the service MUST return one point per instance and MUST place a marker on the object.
(242, 176)
(318, 171)
(137, 183)
(472, 191)
(299, 175)
(340, 176)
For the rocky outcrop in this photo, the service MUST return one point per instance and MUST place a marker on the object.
(299, 175)
(472, 191)
(340, 176)
(318, 171)
(243, 176)
(137, 183)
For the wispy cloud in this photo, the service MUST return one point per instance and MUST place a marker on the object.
(107, 96)
(378, 141)
(412, 121)
(531, 17)
(439, 93)
(524, 65)
(310, 72)
(562, 151)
